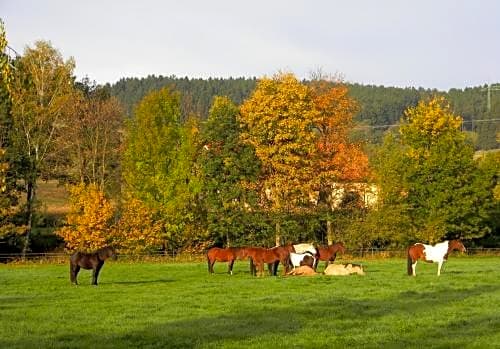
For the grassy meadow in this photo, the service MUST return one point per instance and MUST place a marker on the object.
(178, 305)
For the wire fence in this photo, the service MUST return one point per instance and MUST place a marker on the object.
(161, 257)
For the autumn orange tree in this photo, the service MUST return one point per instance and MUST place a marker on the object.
(337, 158)
(89, 223)
(338, 161)
(300, 135)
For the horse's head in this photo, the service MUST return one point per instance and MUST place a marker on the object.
(108, 252)
(340, 247)
(457, 245)
(114, 254)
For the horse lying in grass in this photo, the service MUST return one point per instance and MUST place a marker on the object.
(303, 270)
(93, 261)
(437, 254)
(344, 269)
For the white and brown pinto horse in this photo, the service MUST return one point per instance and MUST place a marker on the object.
(302, 251)
(437, 254)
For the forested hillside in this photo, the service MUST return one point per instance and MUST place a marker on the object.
(379, 106)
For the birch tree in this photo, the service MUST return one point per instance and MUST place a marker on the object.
(41, 90)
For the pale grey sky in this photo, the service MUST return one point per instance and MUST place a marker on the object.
(429, 43)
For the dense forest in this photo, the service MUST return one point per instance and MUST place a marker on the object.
(380, 106)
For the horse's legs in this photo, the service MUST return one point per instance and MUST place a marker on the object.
(252, 266)
(271, 268)
(333, 257)
(211, 265)
(210, 270)
(440, 264)
(73, 272)
(230, 266)
(414, 268)
(95, 273)
(260, 264)
(285, 266)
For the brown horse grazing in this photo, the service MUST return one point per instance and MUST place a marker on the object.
(437, 254)
(329, 253)
(283, 252)
(259, 256)
(230, 254)
(217, 254)
(93, 261)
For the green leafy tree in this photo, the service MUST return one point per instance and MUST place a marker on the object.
(11, 228)
(41, 91)
(158, 160)
(228, 167)
(430, 175)
(489, 164)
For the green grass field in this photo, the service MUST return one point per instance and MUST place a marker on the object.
(165, 305)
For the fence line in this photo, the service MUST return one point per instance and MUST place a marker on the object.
(61, 257)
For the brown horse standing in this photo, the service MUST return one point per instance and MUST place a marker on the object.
(329, 253)
(283, 252)
(437, 254)
(230, 254)
(270, 256)
(93, 261)
(259, 256)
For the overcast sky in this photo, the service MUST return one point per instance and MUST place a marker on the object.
(429, 43)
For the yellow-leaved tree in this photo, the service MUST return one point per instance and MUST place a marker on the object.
(137, 230)
(300, 135)
(277, 121)
(89, 223)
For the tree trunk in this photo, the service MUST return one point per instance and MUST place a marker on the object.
(278, 234)
(329, 232)
(30, 198)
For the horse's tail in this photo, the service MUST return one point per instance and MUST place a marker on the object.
(409, 263)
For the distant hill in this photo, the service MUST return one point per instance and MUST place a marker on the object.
(380, 106)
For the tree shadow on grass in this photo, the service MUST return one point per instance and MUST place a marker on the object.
(344, 319)
(465, 332)
(184, 333)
